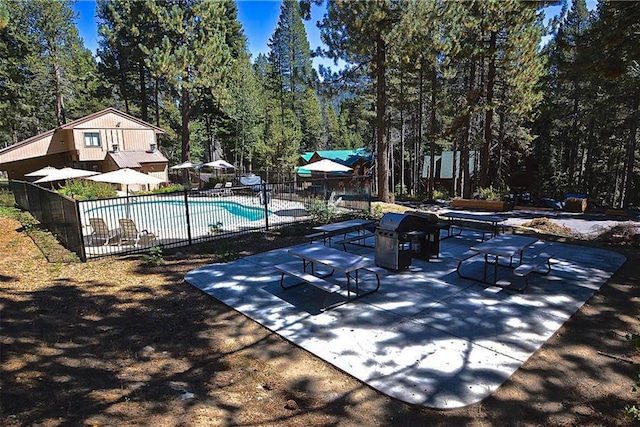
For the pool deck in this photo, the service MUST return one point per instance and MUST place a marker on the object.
(427, 337)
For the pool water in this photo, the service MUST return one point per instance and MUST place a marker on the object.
(231, 212)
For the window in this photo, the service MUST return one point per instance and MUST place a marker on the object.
(92, 139)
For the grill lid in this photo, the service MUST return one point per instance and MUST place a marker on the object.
(409, 221)
(390, 221)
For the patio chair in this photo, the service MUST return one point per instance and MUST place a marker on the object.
(131, 235)
(101, 232)
(227, 188)
(217, 190)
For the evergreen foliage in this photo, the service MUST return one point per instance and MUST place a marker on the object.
(422, 77)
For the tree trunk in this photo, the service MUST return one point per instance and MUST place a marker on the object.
(208, 129)
(381, 124)
(496, 175)
(156, 94)
(401, 134)
(573, 143)
(488, 124)
(434, 130)
(416, 155)
(631, 152)
(185, 109)
(464, 150)
(60, 113)
(144, 99)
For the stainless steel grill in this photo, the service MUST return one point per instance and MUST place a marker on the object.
(399, 237)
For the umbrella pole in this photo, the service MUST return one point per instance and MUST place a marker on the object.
(128, 209)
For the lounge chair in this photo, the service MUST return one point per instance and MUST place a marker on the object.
(130, 233)
(217, 190)
(101, 232)
(227, 189)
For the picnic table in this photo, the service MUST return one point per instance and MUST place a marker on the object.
(485, 224)
(334, 259)
(503, 246)
(327, 231)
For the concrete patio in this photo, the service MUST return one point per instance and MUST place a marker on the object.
(427, 337)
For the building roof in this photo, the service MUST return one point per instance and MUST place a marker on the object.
(345, 157)
(85, 119)
(78, 122)
(134, 159)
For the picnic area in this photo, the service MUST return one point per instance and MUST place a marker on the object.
(177, 353)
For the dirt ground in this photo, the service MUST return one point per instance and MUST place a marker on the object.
(114, 342)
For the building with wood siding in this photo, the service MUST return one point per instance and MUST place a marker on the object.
(104, 141)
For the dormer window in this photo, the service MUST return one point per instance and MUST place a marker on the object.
(92, 139)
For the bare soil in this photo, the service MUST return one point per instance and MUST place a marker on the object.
(114, 342)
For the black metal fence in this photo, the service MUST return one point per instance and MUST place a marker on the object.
(56, 213)
(122, 225)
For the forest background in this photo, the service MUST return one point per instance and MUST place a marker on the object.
(420, 77)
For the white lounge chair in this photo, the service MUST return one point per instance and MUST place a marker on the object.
(130, 234)
(227, 188)
(217, 190)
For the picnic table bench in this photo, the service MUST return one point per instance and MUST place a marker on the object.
(328, 231)
(505, 246)
(478, 223)
(336, 260)
(358, 238)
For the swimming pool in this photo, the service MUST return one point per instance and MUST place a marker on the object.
(196, 207)
(171, 218)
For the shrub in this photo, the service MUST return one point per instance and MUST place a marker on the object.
(154, 258)
(163, 190)
(87, 190)
(321, 212)
(401, 189)
(441, 193)
(492, 193)
(7, 199)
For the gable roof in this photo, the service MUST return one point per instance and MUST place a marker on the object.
(112, 110)
(345, 157)
(27, 141)
(78, 122)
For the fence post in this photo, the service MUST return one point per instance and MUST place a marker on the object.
(266, 204)
(186, 209)
(83, 251)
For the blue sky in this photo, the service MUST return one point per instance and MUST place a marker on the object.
(258, 17)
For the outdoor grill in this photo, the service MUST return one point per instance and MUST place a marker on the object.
(400, 237)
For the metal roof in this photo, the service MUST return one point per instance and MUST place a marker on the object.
(134, 159)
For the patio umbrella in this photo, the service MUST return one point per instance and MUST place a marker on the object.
(186, 165)
(326, 166)
(219, 164)
(64, 174)
(127, 177)
(42, 172)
